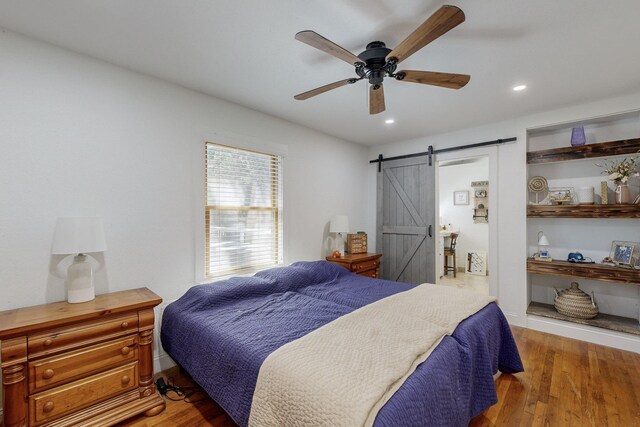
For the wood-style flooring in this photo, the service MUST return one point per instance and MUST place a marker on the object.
(565, 383)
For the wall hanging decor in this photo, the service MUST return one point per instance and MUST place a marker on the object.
(461, 197)
(480, 202)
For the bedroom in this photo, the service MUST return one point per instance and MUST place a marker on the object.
(107, 105)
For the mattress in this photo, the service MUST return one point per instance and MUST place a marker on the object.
(222, 332)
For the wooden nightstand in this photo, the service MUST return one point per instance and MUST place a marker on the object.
(362, 264)
(79, 364)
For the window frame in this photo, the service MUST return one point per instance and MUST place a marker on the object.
(277, 206)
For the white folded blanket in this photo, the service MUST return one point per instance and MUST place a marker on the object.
(344, 372)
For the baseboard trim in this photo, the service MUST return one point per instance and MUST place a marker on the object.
(514, 319)
(162, 362)
(584, 333)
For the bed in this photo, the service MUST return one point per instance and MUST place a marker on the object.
(221, 334)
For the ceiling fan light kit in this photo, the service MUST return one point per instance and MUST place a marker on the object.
(378, 62)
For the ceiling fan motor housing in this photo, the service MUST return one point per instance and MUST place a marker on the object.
(375, 62)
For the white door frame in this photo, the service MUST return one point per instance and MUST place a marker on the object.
(492, 153)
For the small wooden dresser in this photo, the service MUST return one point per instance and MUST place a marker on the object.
(362, 264)
(88, 364)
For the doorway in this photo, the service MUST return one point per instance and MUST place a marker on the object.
(464, 216)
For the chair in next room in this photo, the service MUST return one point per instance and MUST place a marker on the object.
(450, 251)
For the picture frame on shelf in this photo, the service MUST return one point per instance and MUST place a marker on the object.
(625, 253)
(562, 195)
(461, 197)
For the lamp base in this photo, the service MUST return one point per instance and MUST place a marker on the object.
(80, 281)
(340, 244)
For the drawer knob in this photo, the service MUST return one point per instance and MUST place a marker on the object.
(48, 342)
(48, 374)
(125, 380)
(125, 351)
(124, 324)
(48, 407)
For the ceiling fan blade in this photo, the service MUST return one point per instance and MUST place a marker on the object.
(448, 80)
(376, 100)
(443, 20)
(316, 40)
(323, 89)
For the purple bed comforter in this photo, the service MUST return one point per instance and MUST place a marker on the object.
(221, 333)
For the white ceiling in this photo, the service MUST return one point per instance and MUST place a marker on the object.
(566, 51)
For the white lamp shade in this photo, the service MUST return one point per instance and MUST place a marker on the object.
(78, 235)
(543, 241)
(339, 224)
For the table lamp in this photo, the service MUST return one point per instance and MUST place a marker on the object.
(339, 224)
(542, 254)
(79, 236)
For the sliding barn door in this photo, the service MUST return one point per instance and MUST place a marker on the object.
(406, 232)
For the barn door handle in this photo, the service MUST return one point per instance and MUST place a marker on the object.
(430, 230)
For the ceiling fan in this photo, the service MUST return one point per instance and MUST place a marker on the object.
(378, 61)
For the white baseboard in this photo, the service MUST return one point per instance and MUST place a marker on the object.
(515, 320)
(584, 333)
(162, 362)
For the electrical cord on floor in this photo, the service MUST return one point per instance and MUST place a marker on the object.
(176, 393)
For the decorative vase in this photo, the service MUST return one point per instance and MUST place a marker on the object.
(578, 137)
(622, 194)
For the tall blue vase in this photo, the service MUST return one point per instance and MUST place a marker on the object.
(577, 137)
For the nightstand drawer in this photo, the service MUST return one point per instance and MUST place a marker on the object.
(52, 404)
(59, 369)
(371, 273)
(367, 265)
(56, 340)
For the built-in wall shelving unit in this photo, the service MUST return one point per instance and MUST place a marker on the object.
(606, 321)
(602, 149)
(602, 272)
(590, 227)
(583, 211)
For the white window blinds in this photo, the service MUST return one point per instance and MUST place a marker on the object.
(243, 217)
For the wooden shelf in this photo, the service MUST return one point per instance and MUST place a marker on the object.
(590, 271)
(583, 211)
(602, 149)
(605, 321)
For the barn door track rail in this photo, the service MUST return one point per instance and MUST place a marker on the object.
(430, 152)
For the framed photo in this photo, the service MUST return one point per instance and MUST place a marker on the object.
(481, 193)
(461, 197)
(562, 195)
(625, 253)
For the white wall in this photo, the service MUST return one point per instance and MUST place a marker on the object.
(458, 177)
(512, 196)
(80, 137)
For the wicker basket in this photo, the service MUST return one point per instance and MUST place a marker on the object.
(357, 243)
(573, 302)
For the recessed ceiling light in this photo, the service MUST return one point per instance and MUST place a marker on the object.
(389, 121)
(519, 88)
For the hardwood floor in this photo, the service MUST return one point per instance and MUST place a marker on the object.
(565, 383)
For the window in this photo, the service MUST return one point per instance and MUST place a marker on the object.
(243, 216)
